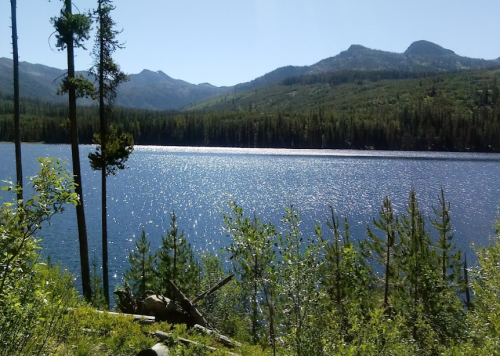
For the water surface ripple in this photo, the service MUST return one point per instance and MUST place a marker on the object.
(198, 182)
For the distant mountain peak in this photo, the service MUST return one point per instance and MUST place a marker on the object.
(356, 47)
(427, 48)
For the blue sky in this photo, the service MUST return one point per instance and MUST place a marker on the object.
(226, 42)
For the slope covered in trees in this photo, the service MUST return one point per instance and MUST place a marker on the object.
(353, 109)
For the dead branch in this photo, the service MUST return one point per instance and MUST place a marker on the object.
(219, 285)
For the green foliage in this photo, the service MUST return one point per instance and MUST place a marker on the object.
(484, 318)
(298, 286)
(141, 275)
(97, 301)
(294, 293)
(344, 272)
(94, 333)
(372, 333)
(176, 261)
(84, 88)
(327, 298)
(33, 311)
(33, 295)
(113, 150)
(20, 220)
(106, 71)
(118, 150)
(226, 308)
(253, 260)
(429, 303)
(68, 26)
(381, 250)
(450, 262)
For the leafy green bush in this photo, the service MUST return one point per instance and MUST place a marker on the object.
(33, 296)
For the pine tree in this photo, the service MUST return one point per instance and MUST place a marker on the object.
(450, 262)
(433, 307)
(176, 262)
(72, 30)
(381, 249)
(141, 275)
(413, 253)
(17, 129)
(114, 150)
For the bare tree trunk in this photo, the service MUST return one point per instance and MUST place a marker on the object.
(75, 155)
(105, 273)
(104, 138)
(17, 130)
(387, 271)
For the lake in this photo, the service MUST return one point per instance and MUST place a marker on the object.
(198, 182)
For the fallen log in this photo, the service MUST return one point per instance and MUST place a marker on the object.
(143, 319)
(219, 337)
(187, 306)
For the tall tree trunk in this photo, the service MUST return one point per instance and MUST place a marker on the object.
(75, 155)
(104, 138)
(466, 282)
(17, 130)
(105, 273)
(387, 271)
(254, 302)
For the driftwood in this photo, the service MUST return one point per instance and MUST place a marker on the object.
(143, 319)
(187, 306)
(178, 311)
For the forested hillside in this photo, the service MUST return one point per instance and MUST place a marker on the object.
(397, 110)
(155, 90)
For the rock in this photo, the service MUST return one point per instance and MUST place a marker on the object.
(159, 305)
(157, 350)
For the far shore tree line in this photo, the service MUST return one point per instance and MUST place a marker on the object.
(414, 115)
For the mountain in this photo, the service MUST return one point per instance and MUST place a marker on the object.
(35, 80)
(420, 56)
(426, 48)
(157, 91)
(146, 90)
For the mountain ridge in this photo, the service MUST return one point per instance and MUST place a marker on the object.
(158, 91)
